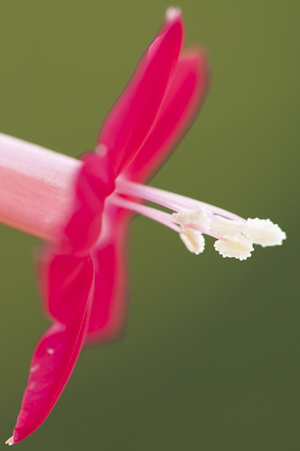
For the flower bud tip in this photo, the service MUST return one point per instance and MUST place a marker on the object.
(10, 441)
(172, 13)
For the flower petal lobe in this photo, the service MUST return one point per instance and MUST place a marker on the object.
(54, 359)
(131, 118)
(185, 94)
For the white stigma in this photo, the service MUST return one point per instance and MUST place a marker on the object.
(236, 246)
(263, 232)
(10, 441)
(193, 240)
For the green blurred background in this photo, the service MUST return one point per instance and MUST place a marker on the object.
(210, 360)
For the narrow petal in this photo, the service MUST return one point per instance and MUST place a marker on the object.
(58, 349)
(51, 367)
(94, 183)
(184, 96)
(132, 116)
(109, 309)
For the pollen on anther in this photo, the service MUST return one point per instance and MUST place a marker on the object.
(223, 226)
(263, 232)
(193, 240)
(237, 246)
(198, 217)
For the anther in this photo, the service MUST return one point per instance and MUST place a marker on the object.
(235, 246)
(198, 217)
(193, 240)
(223, 226)
(263, 232)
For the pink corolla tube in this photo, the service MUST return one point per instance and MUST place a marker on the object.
(83, 209)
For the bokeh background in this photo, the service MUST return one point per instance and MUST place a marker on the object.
(210, 359)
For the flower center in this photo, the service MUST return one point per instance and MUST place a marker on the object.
(191, 219)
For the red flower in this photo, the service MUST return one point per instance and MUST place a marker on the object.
(83, 275)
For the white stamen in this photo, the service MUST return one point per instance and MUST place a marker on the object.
(236, 246)
(156, 215)
(198, 217)
(235, 236)
(193, 240)
(223, 226)
(263, 232)
(170, 200)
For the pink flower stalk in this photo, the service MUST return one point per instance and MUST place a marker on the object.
(83, 208)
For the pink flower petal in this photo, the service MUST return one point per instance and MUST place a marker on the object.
(94, 183)
(68, 285)
(131, 118)
(65, 281)
(185, 93)
(51, 367)
(109, 309)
